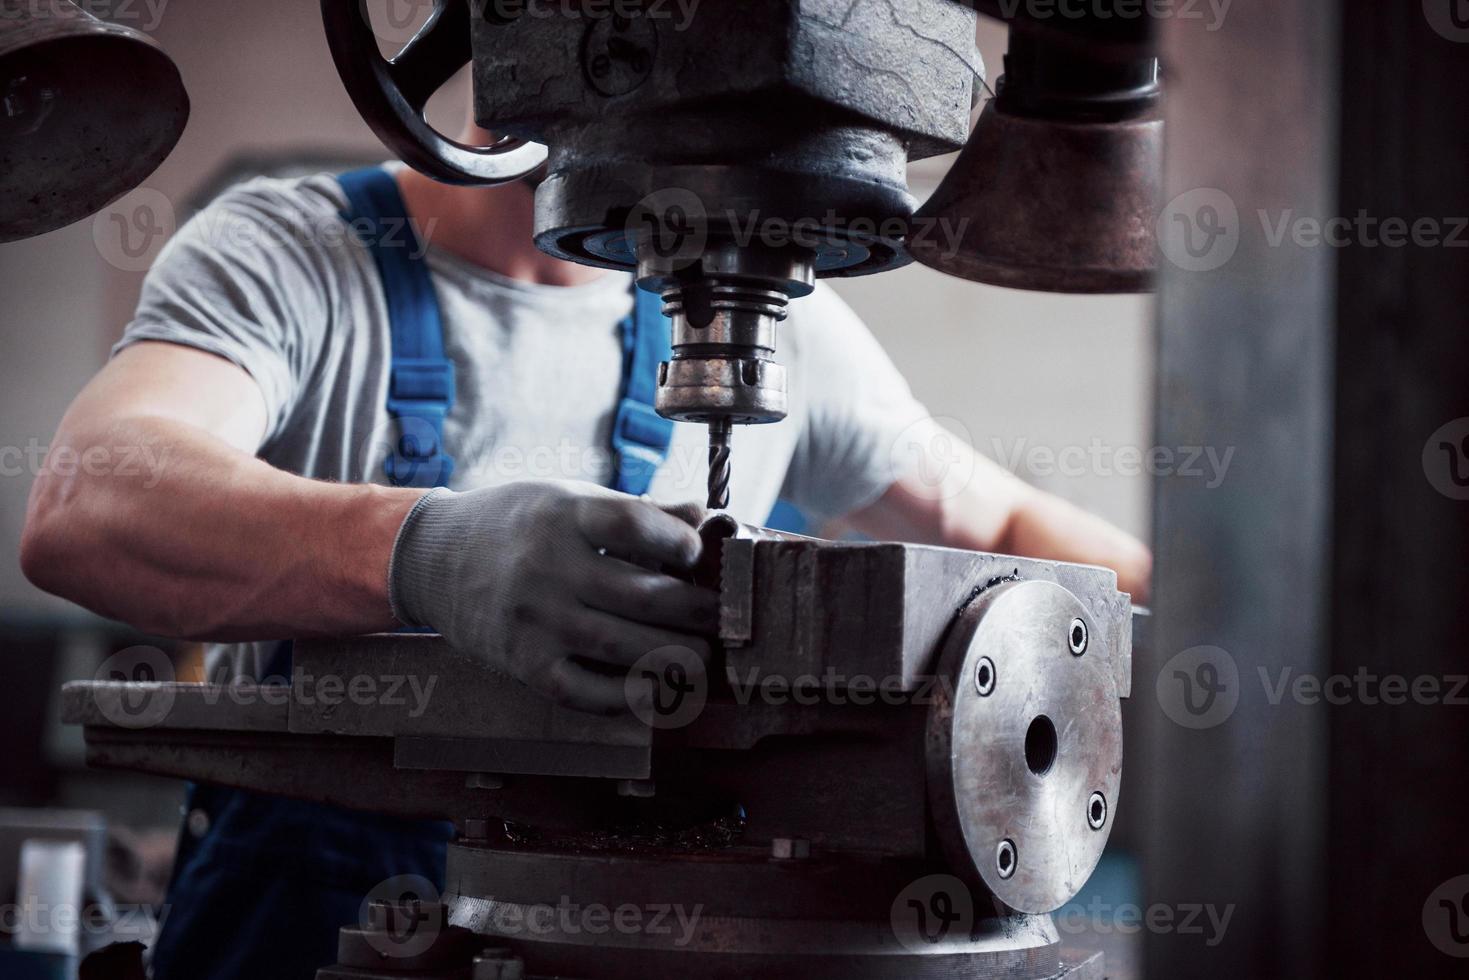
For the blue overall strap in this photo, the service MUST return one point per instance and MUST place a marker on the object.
(421, 379)
(640, 436)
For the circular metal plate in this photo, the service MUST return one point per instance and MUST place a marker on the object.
(1013, 771)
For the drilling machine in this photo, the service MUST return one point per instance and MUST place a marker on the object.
(902, 758)
(730, 159)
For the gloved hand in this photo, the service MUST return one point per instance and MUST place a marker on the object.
(537, 578)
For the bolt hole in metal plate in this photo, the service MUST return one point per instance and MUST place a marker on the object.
(1015, 770)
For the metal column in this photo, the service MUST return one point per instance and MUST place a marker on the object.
(1334, 545)
(1233, 787)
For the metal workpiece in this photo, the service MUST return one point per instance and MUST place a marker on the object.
(719, 528)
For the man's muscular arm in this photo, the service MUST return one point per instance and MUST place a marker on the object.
(545, 581)
(990, 509)
(175, 526)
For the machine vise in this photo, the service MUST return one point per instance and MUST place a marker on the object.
(900, 760)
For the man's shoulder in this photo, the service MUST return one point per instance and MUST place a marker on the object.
(305, 211)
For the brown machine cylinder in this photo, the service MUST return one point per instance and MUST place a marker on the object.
(88, 110)
(1057, 188)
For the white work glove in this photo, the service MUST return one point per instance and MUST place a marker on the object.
(537, 578)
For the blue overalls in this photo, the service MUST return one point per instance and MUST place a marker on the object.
(261, 893)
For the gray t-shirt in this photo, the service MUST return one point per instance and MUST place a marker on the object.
(271, 278)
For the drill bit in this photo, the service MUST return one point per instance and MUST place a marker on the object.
(719, 431)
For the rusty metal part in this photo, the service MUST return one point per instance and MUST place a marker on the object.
(1040, 204)
(757, 113)
(88, 110)
(766, 111)
(1058, 187)
(729, 156)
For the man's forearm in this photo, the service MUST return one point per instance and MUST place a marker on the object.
(1046, 526)
(207, 542)
(992, 510)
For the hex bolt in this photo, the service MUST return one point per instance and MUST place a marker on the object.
(1076, 637)
(1006, 858)
(1096, 811)
(790, 848)
(984, 676)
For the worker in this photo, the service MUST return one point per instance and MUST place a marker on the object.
(373, 404)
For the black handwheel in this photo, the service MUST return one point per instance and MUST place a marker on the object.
(391, 94)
